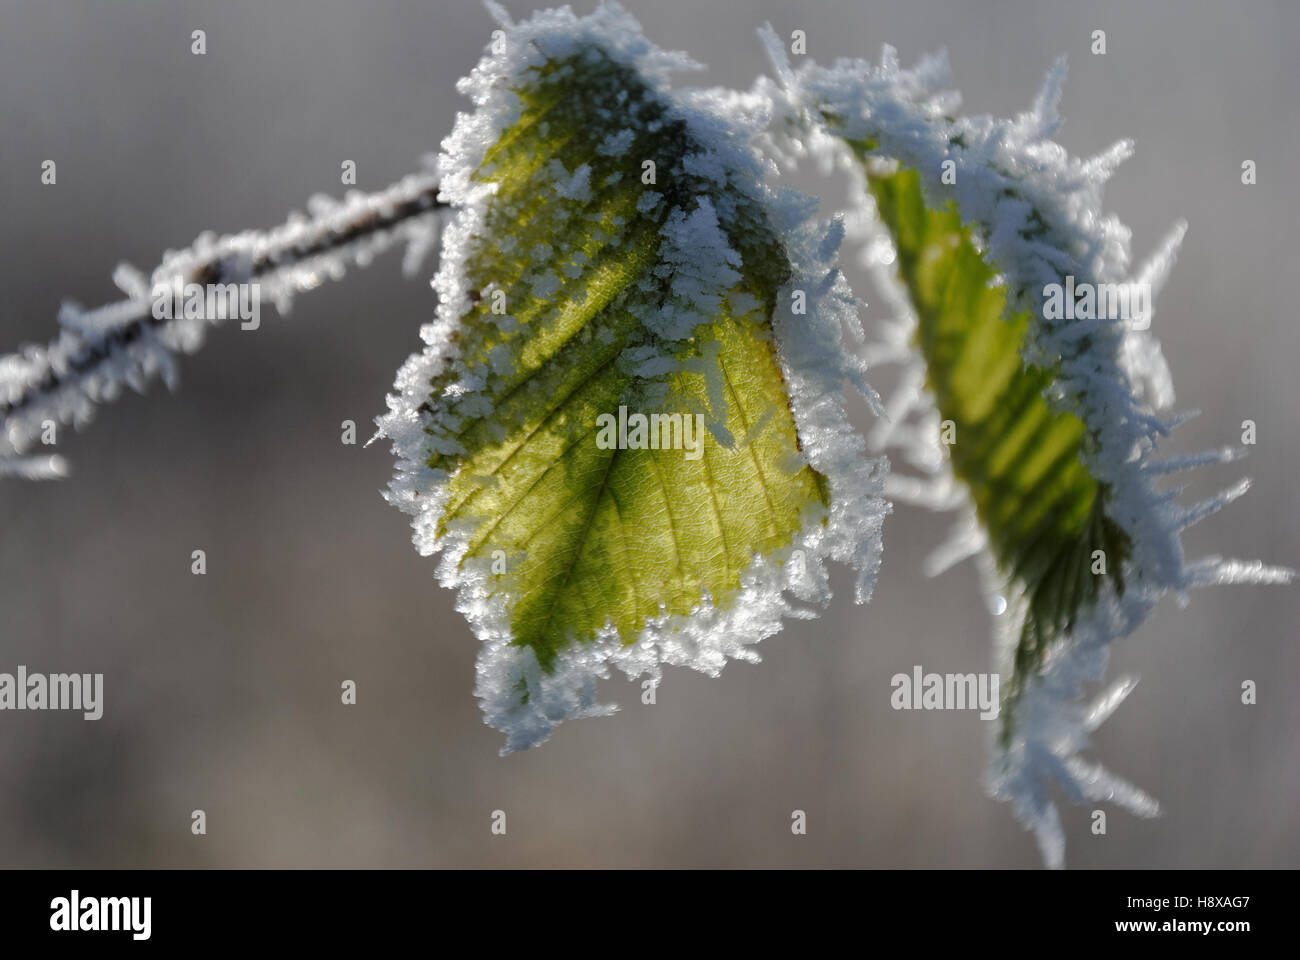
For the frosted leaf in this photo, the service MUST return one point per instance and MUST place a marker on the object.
(1016, 219)
(572, 557)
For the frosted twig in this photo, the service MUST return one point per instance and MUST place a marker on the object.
(132, 340)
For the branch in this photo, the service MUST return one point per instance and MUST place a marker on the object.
(136, 338)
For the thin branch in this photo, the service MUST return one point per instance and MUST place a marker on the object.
(135, 339)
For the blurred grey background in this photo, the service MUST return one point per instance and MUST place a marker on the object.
(222, 692)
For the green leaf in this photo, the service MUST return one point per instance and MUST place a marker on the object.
(591, 536)
(1057, 413)
(596, 536)
(626, 434)
(1019, 458)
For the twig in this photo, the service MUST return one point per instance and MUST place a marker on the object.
(132, 340)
